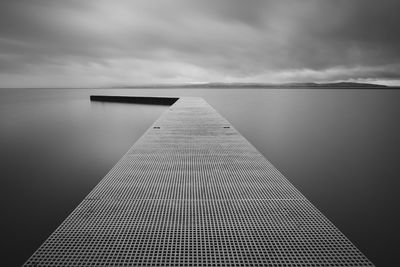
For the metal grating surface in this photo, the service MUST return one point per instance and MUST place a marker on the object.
(193, 192)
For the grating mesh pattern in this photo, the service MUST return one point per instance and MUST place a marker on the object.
(193, 192)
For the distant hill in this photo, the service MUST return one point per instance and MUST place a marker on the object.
(262, 85)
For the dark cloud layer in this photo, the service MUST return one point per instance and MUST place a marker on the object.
(100, 42)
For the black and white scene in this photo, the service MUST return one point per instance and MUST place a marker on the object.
(199, 133)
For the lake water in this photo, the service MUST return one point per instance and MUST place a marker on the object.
(340, 148)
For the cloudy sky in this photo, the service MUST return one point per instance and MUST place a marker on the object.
(72, 43)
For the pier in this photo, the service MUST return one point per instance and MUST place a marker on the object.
(192, 191)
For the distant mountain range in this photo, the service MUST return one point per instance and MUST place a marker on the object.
(261, 85)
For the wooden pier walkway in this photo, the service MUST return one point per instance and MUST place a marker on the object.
(193, 192)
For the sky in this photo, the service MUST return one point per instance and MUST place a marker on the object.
(75, 43)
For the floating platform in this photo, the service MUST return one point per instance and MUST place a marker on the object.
(193, 192)
(150, 100)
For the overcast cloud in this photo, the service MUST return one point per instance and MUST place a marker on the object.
(120, 42)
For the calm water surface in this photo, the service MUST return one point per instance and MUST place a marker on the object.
(340, 148)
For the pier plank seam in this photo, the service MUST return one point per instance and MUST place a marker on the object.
(193, 192)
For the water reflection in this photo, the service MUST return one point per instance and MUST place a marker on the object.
(339, 147)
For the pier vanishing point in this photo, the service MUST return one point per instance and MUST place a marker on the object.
(192, 191)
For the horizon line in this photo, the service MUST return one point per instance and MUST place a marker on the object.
(300, 85)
